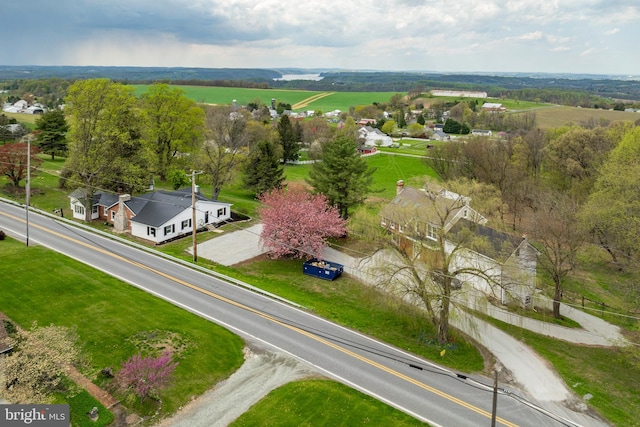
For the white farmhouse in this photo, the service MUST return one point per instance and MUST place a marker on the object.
(157, 217)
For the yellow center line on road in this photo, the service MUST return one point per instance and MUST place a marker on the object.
(274, 320)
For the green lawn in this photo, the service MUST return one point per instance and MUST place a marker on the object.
(348, 302)
(296, 404)
(610, 375)
(111, 316)
(43, 286)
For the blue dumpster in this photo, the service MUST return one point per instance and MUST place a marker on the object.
(323, 269)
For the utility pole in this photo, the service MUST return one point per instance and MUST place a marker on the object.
(27, 187)
(495, 401)
(194, 225)
(193, 216)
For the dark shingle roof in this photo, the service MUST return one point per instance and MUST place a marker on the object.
(495, 244)
(156, 208)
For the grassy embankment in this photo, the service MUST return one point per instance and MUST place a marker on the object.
(340, 408)
(114, 320)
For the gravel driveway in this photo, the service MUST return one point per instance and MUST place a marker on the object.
(233, 247)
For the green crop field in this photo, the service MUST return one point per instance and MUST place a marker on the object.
(226, 95)
(332, 101)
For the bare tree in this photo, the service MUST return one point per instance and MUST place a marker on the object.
(226, 146)
(433, 250)
(556, 230)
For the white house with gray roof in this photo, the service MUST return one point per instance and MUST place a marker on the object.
(373, 137)
(157, 217)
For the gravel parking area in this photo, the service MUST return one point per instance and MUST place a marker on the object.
(233, 247)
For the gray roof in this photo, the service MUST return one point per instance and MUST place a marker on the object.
(153, 209)
(157, 208)
(81, 195)
(496, 244)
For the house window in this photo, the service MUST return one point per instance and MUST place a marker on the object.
(222, 212)
(113, 215)
(79, 209)
(464, 213)
(94, 209)
(432, 232)
(392, 225)
(168, 229)
(151, 231)
(185, 224)
(400, 229)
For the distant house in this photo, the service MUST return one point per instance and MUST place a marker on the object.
(458, 93)
(23, 107)
(157, 217)
(481, 132)
(493, 107)
(439, 135)
(417, 217)
(367, 122)
(374, 137)
(367, 149)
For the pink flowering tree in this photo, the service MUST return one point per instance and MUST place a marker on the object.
(297, 224)
(145, 376)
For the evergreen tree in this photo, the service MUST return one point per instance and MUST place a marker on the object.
(451, 126)
(263, 171)
(342, 175)
(290, 146)
(298, 131)
(52, 136)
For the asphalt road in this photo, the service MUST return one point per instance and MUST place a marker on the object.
(415, 386)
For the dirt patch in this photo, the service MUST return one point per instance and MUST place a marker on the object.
(157, 342)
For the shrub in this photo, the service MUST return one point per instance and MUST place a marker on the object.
(145, 376)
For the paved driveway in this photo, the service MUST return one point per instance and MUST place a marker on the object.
(233, 247)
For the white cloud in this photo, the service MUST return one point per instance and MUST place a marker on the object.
(384, 34)
(537, 35)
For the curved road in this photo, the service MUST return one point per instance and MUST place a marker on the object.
(415, 386)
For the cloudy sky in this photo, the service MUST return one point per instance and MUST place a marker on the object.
(566, 36)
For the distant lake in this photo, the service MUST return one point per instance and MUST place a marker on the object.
(289, 77)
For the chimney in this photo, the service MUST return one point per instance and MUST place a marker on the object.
(120, 221)
(399, 186)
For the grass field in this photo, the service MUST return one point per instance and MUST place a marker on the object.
(225, 96)
(108, 315)
(609, 375)
(27, 119)
(342, 408)
(555, 116)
